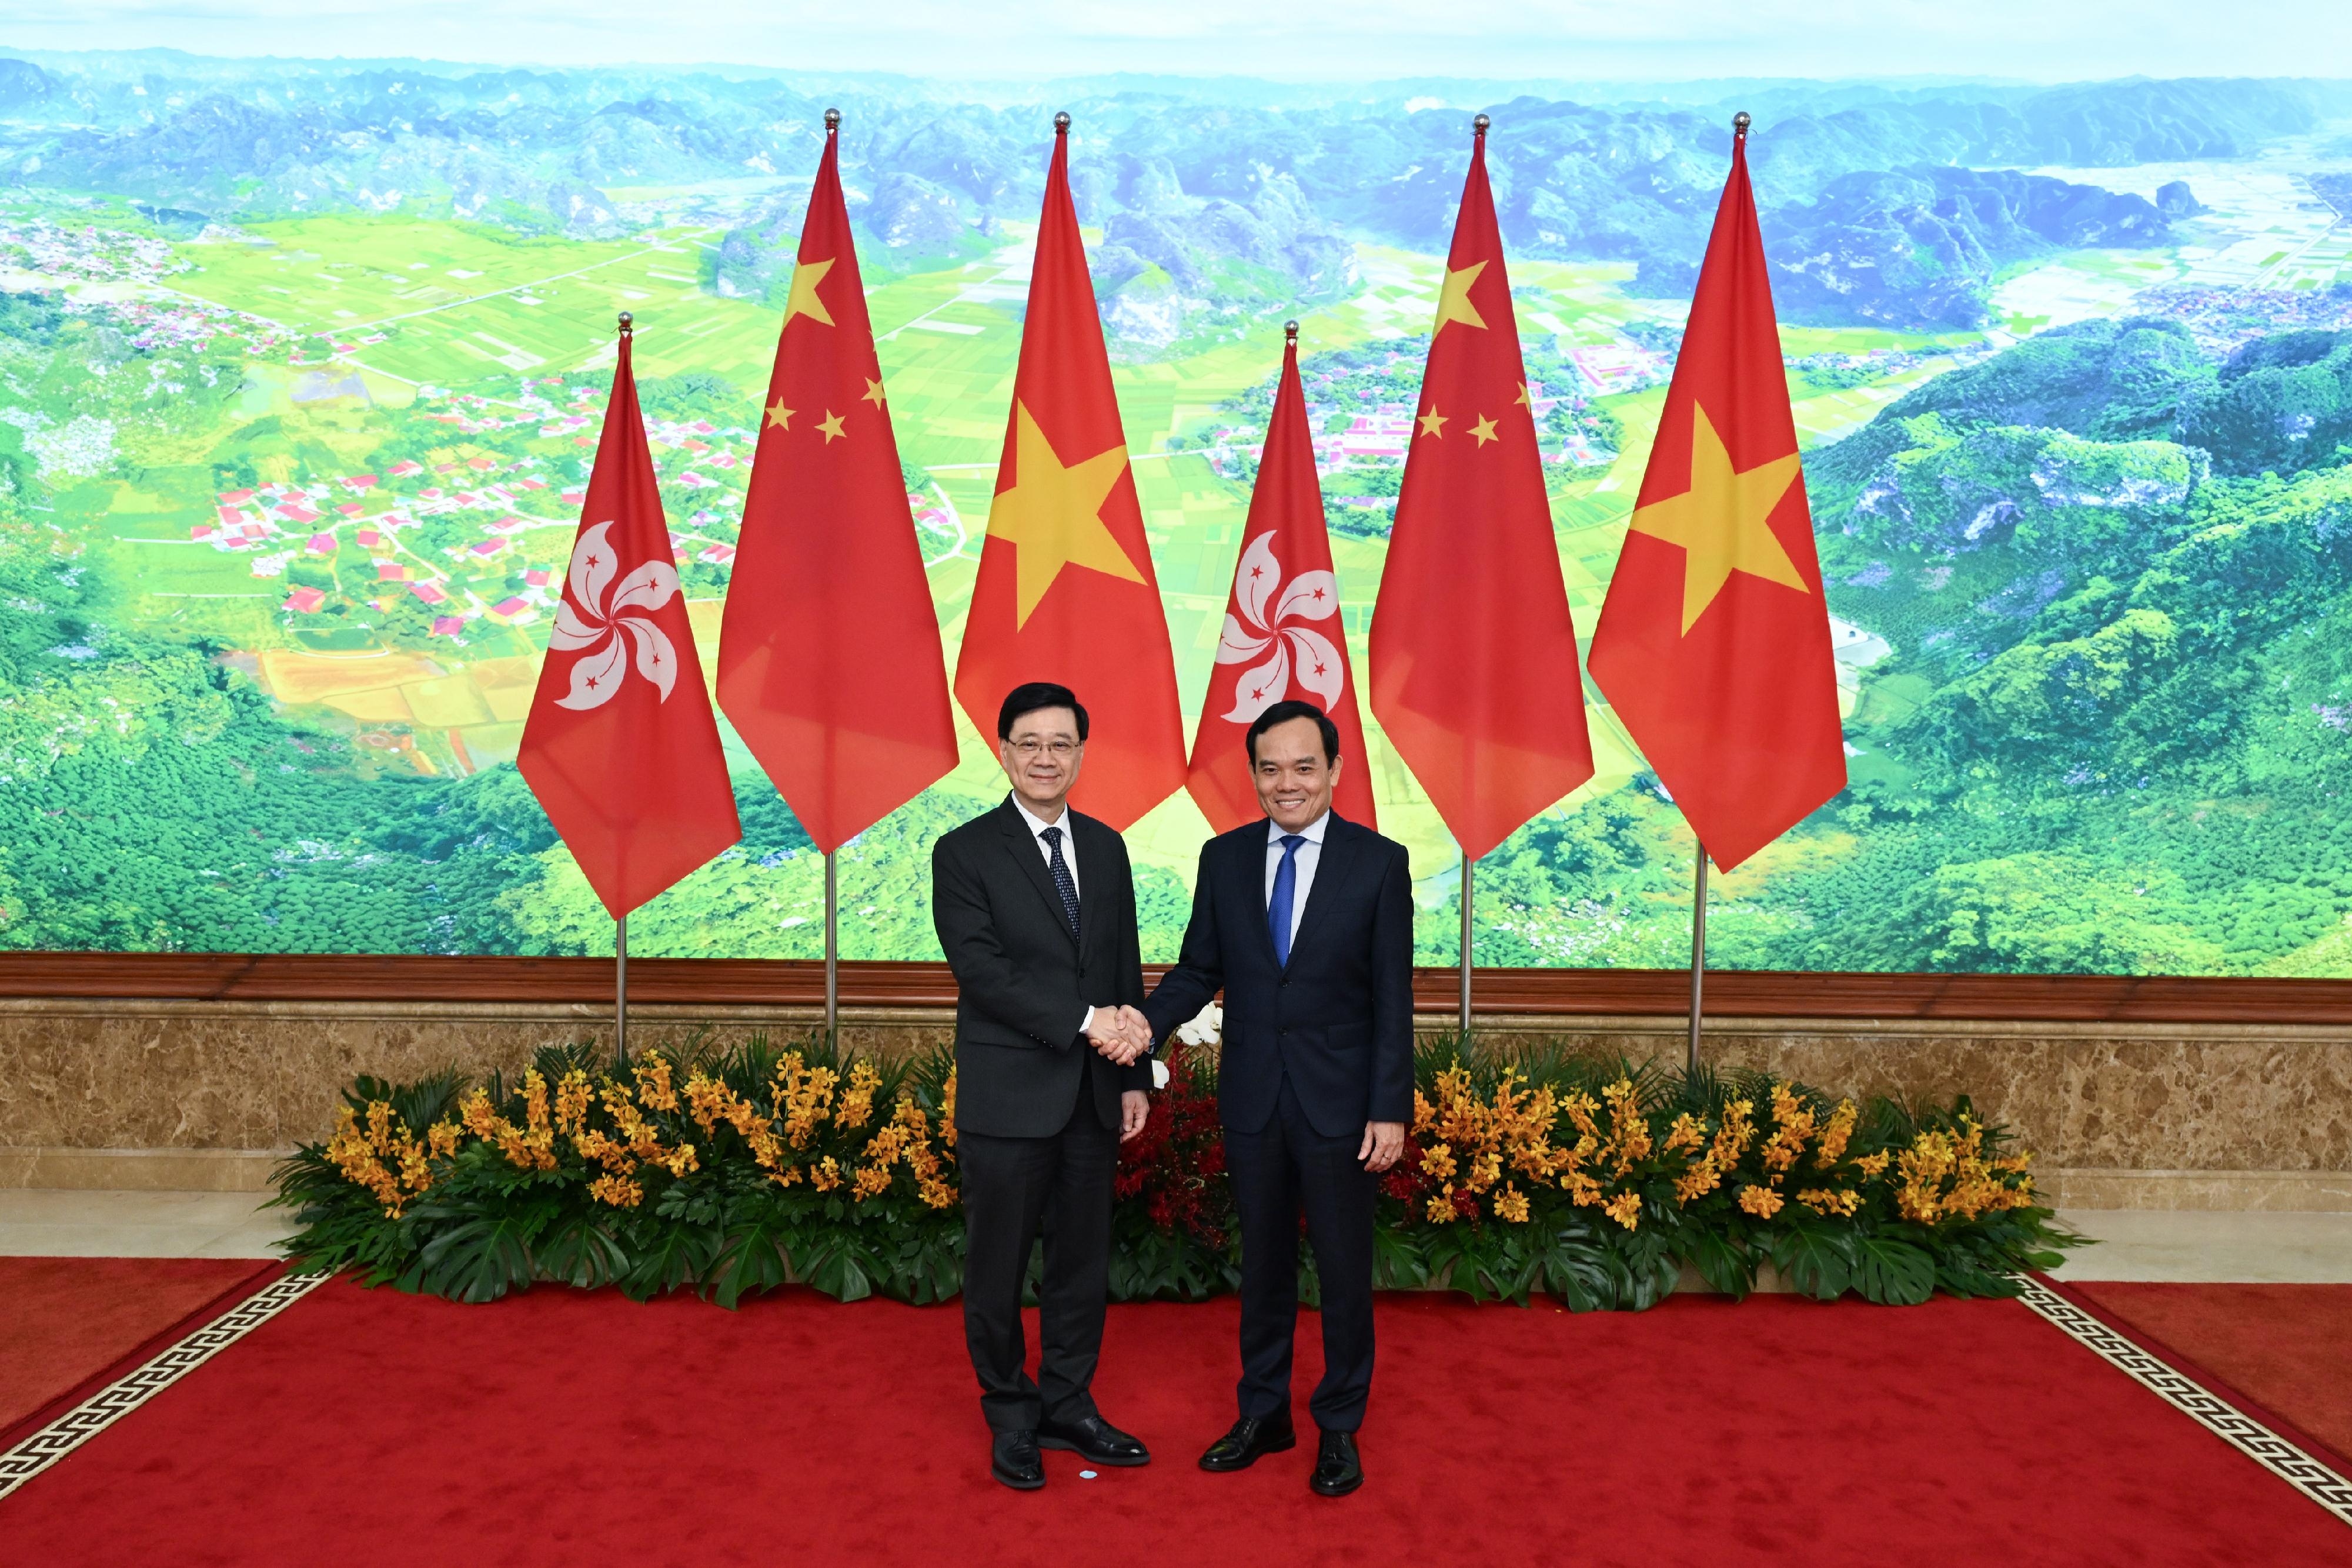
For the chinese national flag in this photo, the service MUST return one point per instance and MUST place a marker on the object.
(621, 748)
(1065, 591)
(1714, 645)
(1474, 657)
(829, 655)
(1281, 636)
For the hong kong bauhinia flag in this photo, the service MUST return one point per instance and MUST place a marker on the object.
(1472, 653)
(829, 655)
(620, 747)
(1065, 591)
(1281, 635)
(1713, 643)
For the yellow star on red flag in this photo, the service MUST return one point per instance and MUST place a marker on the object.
(1721, 522)
(1052, 514)
(1454, 298)
(805, 299)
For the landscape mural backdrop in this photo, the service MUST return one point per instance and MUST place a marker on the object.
(302, 363)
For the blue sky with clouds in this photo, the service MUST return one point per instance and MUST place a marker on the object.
(1577, 40)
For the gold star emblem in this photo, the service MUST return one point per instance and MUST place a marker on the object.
(804, 302)
(874, 393)
(1721, 522)
(1052, 514)
(1483, 431)
(780, 416)
(1432, 424)
(1524, 401)
(830, 425)
(1453, 299)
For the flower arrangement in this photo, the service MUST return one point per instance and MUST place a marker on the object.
(736, 1171)
(730, 1173)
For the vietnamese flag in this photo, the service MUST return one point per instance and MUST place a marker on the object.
(1065, 591)
(621, 748)
(1714, 645)
(829, 656)
(1281, 636)
(1472, 653)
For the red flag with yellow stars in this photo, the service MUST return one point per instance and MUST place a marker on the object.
(620, 745)
(829, 661)
(1065, 591)
(1473, 654)
(1281, 635)
(1714, 645)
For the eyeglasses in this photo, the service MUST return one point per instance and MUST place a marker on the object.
(1059, 751)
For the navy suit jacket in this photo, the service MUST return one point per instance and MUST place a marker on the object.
(1338, 1021)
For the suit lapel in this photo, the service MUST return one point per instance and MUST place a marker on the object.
(1330, 867)
(1249, 868)
(1090, 895)
(1022, 846)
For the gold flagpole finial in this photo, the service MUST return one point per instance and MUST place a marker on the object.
(832, 120)
(628, 328)
(1290, 334)
(1739, 123)
(1478, 126)
(1062, 124)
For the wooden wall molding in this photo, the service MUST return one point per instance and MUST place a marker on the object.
(1730, 993)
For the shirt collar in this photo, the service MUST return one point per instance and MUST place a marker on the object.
(1312, 832)
(1037, 824)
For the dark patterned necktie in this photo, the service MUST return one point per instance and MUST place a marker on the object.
(1063, 884)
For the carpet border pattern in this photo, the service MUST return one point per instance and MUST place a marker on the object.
(2274, 1453)
(2281, 1457)
(126, 1394)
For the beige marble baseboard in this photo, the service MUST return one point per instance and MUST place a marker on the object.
(140, 1170)
(2250, 1192)
(2215, 1115)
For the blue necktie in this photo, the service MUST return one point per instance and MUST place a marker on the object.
(1063, 884)
(1285, 888)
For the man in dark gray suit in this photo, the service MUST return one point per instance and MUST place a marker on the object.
(1034, 906)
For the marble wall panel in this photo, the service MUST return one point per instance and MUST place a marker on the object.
(131, 1076)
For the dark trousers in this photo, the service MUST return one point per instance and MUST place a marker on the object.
(1013, 1189)
(1277, 1172)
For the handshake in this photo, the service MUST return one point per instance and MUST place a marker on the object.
(1122, 1034)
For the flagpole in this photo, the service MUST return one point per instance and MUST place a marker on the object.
(620, 988)
(1698, 955)
(831, 954)
(1465, 945)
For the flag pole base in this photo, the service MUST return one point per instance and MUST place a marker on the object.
(620, 988)
(1698, 958)
(1465, 948)
(831, 954)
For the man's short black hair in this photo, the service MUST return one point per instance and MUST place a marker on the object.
(1283, 713)
(1037, 695)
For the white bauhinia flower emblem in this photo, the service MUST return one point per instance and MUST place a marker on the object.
(605, 631)
(1271, 613)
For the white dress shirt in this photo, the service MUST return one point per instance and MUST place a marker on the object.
(1037, 826)
(1302, 864)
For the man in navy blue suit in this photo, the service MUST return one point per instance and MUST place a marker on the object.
(1305, 920)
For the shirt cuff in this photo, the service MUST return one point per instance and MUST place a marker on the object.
(1086, 1023)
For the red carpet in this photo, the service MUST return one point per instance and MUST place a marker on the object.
(63, 1321)
(565, 1428)
(2286, 1347)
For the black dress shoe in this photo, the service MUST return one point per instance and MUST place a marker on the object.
(1251, 1436)
(1095, 1439)
(1338, 1470)
(1013, 1459)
